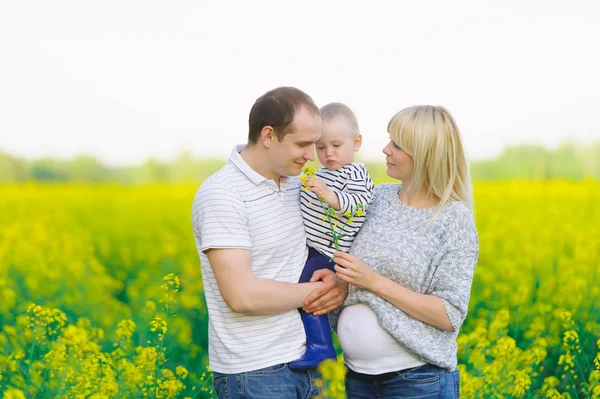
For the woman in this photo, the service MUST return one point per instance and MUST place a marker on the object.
(411, 266)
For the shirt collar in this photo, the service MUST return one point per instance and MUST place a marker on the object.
(240, 164)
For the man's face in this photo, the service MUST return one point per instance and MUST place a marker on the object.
(290, 155)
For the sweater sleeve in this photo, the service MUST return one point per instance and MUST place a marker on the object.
(358, 189)
(453, 282)
(455, 268)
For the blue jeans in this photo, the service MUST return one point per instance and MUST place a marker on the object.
(426, 381)
(274, 382)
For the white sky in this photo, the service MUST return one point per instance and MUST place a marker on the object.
(126, 80)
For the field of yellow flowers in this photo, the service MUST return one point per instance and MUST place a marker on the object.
(101, 294)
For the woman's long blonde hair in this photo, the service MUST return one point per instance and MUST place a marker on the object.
(431, 137)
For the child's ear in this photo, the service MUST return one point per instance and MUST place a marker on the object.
(357, 142)
(267, 135)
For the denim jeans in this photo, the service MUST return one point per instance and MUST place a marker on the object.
(274, 382)
(426, 381)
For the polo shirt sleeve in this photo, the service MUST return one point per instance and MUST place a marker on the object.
(220, 219)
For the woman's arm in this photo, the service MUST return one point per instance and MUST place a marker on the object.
(426, 308)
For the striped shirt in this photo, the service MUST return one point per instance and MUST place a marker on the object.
(238, 208)
(353, 186)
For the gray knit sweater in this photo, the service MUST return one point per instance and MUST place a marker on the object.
(439, 260)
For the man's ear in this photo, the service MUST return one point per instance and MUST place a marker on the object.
(357, 142)
(267, 135)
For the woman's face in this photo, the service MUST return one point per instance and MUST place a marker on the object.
(399, 164)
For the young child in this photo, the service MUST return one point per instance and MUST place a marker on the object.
(342, 184)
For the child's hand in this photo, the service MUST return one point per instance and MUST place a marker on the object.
(317, 186)
(328, 196)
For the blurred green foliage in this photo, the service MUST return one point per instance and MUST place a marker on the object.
(571, 160)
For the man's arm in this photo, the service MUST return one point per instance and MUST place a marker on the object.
(245, 293)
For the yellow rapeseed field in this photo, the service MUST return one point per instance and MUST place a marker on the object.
(101, 294)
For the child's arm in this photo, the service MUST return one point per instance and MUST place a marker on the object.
(326, 194)
(358, 189)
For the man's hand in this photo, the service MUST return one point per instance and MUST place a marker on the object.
(327, 297)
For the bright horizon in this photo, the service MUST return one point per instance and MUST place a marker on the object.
(126, 81)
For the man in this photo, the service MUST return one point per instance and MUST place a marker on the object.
(250, 236)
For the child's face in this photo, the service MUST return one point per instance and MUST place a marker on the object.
(338, 143)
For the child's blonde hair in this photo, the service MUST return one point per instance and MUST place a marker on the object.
(431, 137)
(334, 110)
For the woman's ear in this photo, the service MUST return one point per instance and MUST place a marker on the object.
(267, 134)
(357, 142)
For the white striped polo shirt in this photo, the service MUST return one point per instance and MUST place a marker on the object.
(353, 186)
(238, 208)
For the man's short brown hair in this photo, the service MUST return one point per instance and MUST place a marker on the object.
(277, 108)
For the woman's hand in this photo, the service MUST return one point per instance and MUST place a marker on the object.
(354, 271)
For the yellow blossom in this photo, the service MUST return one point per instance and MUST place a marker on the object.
(309, 172)
(125, 329)
(12, 393)
(181, 371)
(87, 251)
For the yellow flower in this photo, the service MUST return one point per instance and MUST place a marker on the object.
(309, 172)
(181, 371)
(350, 221)
(309, 202)
(172, 280)
(14, 394)
(324, 218)
(348, 213)
(521, 383)
(359, 212)
(159, 324)
(125, 329)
